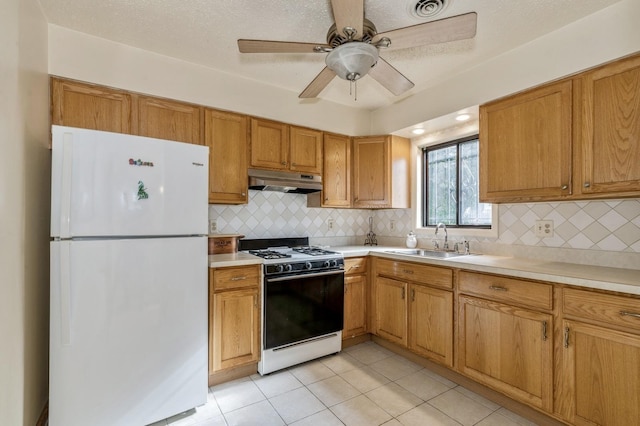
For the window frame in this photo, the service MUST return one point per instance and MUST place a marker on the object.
(425, 184)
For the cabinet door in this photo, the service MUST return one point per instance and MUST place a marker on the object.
(601, 368)
(609, 122)
(431, 323)
(525, 145)
(371, 180)
(171, 120)
(226, 137)
(336, 180)
(355, 324)
(269, 144)
(507, 348)
(391, 310)
(305, 147)
(87, 106)
(235, 329)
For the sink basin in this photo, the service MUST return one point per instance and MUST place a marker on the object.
(428, 253)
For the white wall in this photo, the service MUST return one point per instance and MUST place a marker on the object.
(24, 212)
(83, 57)
(603, 36)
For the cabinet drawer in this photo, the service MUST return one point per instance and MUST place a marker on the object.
(607, 308)
(355, 265)
(534, 294)
(425, 274)
(236, 277)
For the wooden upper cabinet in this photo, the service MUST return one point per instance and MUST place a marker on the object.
(608, 115)
(269, 144)
(525, 145)
(89, 106)
(278, 146)
(226, 135)
(305, 147)
(336, 177)
(381, 172)
(171, 120)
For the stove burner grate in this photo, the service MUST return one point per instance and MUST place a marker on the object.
(313, 251)
(269, 254)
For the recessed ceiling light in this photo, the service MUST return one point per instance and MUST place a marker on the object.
(463, 117)
(417, 131)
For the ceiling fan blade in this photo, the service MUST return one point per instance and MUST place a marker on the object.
(267, 46)
(348, 13)
(458, 27)
(390, 78)
(318, 84)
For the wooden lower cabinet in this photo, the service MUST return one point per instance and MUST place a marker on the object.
(234, 317)
(601, 369)
(391, 310)
(412, 314)
(431, 323)
(507, 348)
(356, 293)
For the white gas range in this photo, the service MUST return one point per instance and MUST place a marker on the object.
(302, 301)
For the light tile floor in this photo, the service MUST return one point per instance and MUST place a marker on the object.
(363, 385)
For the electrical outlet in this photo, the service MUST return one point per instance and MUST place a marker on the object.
(392, 225)
(213, 226)
(330, 223)
(544, 228)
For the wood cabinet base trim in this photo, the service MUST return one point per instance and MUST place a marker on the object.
(356, 340)
(525, 411)
(232, 374)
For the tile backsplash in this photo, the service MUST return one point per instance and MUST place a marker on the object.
(601, 232)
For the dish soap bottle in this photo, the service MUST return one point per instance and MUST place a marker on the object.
(411, 241)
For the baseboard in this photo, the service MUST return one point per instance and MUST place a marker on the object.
(44, 415)
(352, 341)
(232, 374)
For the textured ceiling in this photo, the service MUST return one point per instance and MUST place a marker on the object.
(205, 32)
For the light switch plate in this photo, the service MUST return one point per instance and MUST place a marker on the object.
(544, 228)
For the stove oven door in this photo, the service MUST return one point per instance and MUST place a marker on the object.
(302, 306)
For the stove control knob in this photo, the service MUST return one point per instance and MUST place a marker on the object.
(334, 262)
(308, 265)
(279, 268)
(288, 267)
(326, 264)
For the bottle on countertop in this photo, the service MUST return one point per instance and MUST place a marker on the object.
(411, 241)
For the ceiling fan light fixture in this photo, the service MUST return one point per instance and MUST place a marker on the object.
(353, 60)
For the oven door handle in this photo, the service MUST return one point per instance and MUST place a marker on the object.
(301, 276)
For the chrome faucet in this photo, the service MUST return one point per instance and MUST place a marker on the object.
(445, 247)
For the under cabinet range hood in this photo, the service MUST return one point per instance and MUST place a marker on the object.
(291, 182)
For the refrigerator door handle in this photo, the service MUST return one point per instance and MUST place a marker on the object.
(65, 294)
(65, 190)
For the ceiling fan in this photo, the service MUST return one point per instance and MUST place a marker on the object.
(353, 45)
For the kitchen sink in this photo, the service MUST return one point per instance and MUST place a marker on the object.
(438, 254)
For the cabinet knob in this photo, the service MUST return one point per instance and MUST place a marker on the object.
(284, 163)
(565, 187)
(587, 184)
(243, 193)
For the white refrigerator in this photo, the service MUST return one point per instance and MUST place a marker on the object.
(128, 318)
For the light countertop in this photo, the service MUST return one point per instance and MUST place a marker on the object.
(233, 259)
(597, 277)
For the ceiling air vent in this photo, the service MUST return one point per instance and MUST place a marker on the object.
(429, 8)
